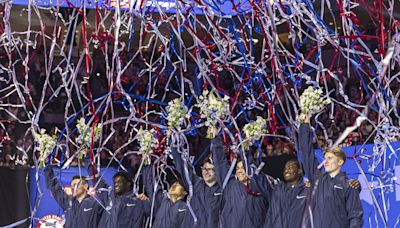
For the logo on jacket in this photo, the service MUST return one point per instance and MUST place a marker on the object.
(337, 186)
(300, 197)
(87, 209)
(50, 221)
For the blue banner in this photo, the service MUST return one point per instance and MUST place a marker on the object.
(48, 212)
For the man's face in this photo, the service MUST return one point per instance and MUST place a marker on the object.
(177, 190)
(121, 185)
(79, 187)
(241, 173)
(208, 173)
(332, 163)
(291, 172)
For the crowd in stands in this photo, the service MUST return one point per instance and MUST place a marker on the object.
(14, 134)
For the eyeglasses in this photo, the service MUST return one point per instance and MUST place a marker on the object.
(75, 185)
(203, 169)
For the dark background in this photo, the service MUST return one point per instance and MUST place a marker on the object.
(14, 199)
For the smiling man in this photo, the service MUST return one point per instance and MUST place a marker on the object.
(122, 207)
(207, 194)
(288, 198)
(122, 183)
(80, 209)
(334, 203)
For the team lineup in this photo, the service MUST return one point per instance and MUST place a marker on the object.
(246, 198)
(200, 113)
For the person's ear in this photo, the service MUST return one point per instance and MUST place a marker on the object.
(341, 162)
(300, 172)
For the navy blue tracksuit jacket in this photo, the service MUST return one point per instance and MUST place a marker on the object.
(206, 201)
(121, 211)
(84, 214)
(334, 203)
(241, 208)
(167, 214)
(287, 204)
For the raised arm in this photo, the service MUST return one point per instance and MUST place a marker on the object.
(180, 167)
(54, 186)
(248, 161)
(103, 190)
(220, 161)
(354, 208)
(101, 184)
(259, 182)
(306, 150)
(155, 195)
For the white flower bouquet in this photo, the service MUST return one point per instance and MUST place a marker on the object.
(311, 101)
(85, 136)
(253, 131)
(147, 142)
(213, 108)
(177, 112)
(45, 145)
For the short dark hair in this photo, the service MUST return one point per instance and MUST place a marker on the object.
(294, 161)
(78, 177)
(206, 159)
(125, 175)
(181, 183)
(298, 164)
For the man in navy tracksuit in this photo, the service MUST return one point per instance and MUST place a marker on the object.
(207, 194)
(169, 209)
(242, 207)
(288, 199)
(334, 203)
(81, 210)
(122, 208)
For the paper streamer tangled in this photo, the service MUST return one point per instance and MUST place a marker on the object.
(119, 63)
